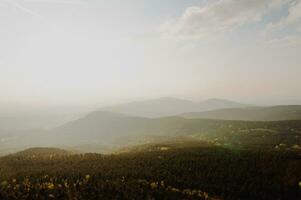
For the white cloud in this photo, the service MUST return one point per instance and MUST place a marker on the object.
(294, 12)
(291, 22)
(217, 17)
(293, 17)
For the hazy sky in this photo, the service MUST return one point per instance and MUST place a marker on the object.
(103, 51)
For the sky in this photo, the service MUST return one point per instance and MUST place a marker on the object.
(103, 52)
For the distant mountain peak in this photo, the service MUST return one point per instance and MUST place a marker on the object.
(171, 99)
(219, 100)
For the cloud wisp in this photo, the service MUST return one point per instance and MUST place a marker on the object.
(218, 17)
(293, 17)
(23, 8)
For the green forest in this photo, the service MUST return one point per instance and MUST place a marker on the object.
(175, 170)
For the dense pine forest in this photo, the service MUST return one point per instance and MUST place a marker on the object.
(177, 170)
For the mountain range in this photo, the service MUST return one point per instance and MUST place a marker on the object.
(168, 106)
(103, 127)
(140, 122)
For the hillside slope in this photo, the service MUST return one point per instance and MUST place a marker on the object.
(106, 127)
(275, 113)
(41, 152)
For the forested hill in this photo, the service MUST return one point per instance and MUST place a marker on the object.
(275, 113)
(107, 126)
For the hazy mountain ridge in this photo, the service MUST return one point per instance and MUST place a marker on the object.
(103, 127)
(103, 131)
(168, 106)
(41, 152)
(15, 117)
(274, 113)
